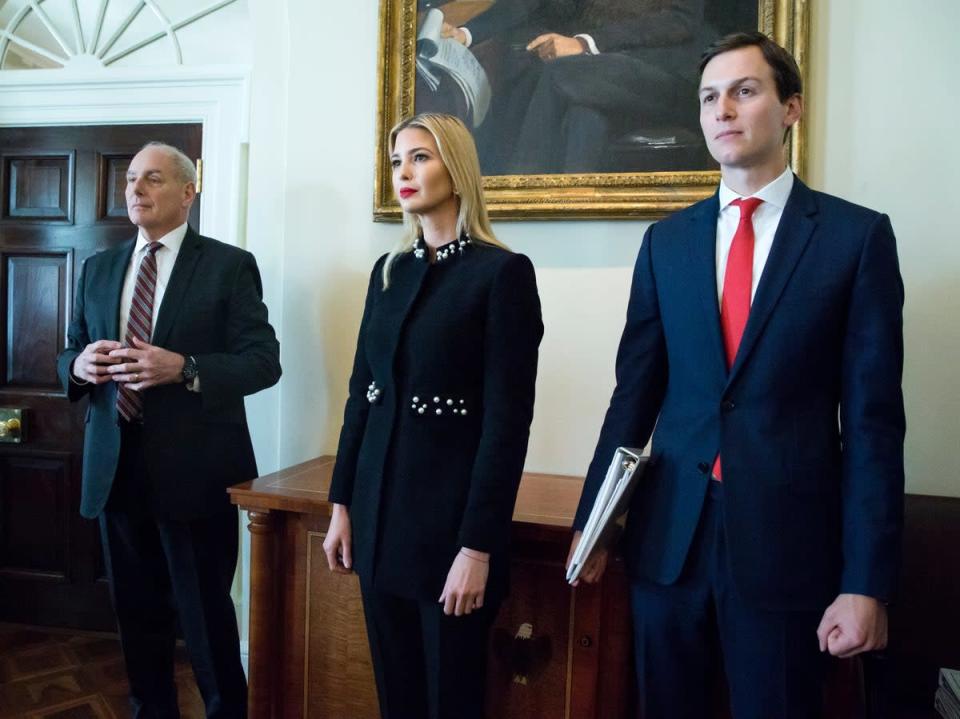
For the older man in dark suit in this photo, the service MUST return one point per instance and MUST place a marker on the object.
(169, 333)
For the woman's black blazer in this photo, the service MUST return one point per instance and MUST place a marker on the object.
(437, 420)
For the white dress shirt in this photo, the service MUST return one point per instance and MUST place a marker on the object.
(591, 43)
(766, 218)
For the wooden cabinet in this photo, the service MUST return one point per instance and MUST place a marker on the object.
(554, 652)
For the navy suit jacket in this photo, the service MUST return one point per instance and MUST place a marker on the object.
(809, 421)
(197, 443)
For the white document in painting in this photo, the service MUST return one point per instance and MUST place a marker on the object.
(947, 698)
(438, 55)
(610, 507)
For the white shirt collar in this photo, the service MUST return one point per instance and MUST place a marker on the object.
(774, 193)
(172, 240)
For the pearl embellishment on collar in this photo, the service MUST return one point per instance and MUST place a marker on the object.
(448, 250)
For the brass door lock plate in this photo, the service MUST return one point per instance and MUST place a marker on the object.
(11, 425)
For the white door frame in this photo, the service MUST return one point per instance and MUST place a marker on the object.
(217, 97)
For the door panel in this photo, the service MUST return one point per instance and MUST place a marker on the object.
(61, 200)
(35, 305)
(34, 543)
(40, 186)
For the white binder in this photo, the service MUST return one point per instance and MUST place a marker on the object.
(610, 506)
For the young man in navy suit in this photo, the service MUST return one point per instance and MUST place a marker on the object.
(763, 348)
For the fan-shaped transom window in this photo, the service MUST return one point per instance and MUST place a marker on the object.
(94, 33)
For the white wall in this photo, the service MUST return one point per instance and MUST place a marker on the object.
(883, 114)
(879, 104)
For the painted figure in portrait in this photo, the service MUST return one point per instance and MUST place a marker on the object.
(573, 86)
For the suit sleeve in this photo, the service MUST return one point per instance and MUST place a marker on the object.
(501, 17)
(251, 361)
(633, 26)
(512, 337)
(77, 338)
(672, 24)
(641, 373)
(872, 420)
(357, 407)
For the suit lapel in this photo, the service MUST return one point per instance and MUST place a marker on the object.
(115, 276)
(703, 263)
(177, 287)
(793, 233)
(406, 279)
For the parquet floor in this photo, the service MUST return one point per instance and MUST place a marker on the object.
(63, 674)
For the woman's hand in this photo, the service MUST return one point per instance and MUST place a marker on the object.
(339, 542)
(466, 582)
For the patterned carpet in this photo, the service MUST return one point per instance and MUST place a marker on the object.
(63, 674)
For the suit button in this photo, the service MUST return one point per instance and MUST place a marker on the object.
(703, 467)
(727, 405)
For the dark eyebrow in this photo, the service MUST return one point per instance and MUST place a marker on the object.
(735, 83)
(411, 151)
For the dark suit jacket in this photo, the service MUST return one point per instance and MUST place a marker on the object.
(197, 444)
(422, 480)
(809, 421)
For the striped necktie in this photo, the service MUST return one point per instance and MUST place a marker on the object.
(139, 326)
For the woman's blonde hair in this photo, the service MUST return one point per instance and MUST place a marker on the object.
(459, 155)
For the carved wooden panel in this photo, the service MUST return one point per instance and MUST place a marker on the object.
(337, 666)
(35, 315)
(111, 186)
(33, 521)
(38, 187)
(530, 645)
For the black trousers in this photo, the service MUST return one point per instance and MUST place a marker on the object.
(560, 115)
(683, 632)
(161, 571)
(427, 665)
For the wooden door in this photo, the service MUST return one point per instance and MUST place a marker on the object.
(61, 200)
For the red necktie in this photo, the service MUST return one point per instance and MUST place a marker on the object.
(737, 286)
(139, 325)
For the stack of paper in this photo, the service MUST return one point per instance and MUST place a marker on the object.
(609, 508)
(947, 699)
(445, 55)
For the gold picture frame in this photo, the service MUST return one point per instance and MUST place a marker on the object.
(614, 195)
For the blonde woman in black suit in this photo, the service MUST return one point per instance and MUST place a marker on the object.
(435, 430)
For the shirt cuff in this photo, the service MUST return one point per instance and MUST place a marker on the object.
(74, 379)
(591, 45)
(194, 385)
(469, 36)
